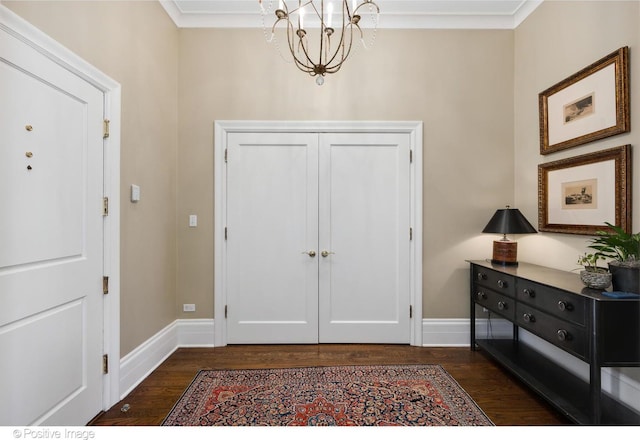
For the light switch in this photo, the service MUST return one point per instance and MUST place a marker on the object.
(193, 221)
(135, 193)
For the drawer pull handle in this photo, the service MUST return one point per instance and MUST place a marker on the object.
(481, 276)
(563, 335)
(481, 295)
(502, 284)
(502, 305)
(528, 317)
(564, 306)
(529, 292)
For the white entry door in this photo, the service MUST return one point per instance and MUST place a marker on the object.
(51, 241)
(317, 238)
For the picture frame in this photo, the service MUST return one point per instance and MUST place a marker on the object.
(579, 194)
(589, 105)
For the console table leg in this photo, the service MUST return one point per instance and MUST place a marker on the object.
(472, 320)
(595, 380)
(595, 391)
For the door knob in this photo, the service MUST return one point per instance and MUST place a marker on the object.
(310, 253)
(326, 253)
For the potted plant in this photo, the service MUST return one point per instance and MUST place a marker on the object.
(594, 276)
(623, 250)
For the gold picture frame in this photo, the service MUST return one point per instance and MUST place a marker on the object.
(579, 194)
(589, 105)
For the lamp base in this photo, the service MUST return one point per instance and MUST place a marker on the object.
(505, 253)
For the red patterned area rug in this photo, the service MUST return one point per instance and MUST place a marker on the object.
(395, 395)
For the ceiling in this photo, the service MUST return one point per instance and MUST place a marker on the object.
(394, 14)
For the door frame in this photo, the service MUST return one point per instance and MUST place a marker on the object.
(19, 28)
(222, 128)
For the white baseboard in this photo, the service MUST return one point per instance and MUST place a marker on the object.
(141, 362)
(137, 365)
(455, 332)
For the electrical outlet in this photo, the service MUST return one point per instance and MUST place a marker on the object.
(188, 307)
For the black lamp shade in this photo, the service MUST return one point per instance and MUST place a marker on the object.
(507, 221)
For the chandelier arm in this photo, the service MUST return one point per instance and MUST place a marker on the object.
(341, 48)
(293, 11)
(309, 65)
(273, 28)
(340, 45)
(291, 42)
(322, 31)
(305, 50)
(371, 3)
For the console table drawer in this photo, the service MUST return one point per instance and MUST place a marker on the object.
(563, 334)
(501, 304)
(562, 304)
(492, 279)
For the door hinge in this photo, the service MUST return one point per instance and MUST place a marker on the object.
(410, 156)
(410, 233)
(105, 285)
(105, 206)
(410, 312)
(105, 364)
(226, 310)
(226, 151)
(225, 232)
(105, 129)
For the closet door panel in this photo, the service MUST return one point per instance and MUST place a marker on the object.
(364, 193)
(272, 228)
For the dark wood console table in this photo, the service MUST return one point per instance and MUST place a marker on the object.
(555, 306)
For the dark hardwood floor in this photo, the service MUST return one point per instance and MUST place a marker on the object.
(505, 401)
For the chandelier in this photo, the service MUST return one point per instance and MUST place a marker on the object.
(320, 33)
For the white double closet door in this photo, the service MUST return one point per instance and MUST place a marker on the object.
(318, 238)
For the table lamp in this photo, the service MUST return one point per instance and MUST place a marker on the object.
(507, 221)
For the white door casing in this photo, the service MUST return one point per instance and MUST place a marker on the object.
(396, 310)
(55, 245)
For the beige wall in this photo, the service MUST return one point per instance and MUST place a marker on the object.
(557, 40)
(136, 44)
(460, 83)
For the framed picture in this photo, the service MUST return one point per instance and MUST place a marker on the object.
(578, 195)
(589, 105)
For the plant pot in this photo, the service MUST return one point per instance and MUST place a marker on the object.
(595, 280)
(625, 277)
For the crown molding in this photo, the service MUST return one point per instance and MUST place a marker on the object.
(397, 14)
